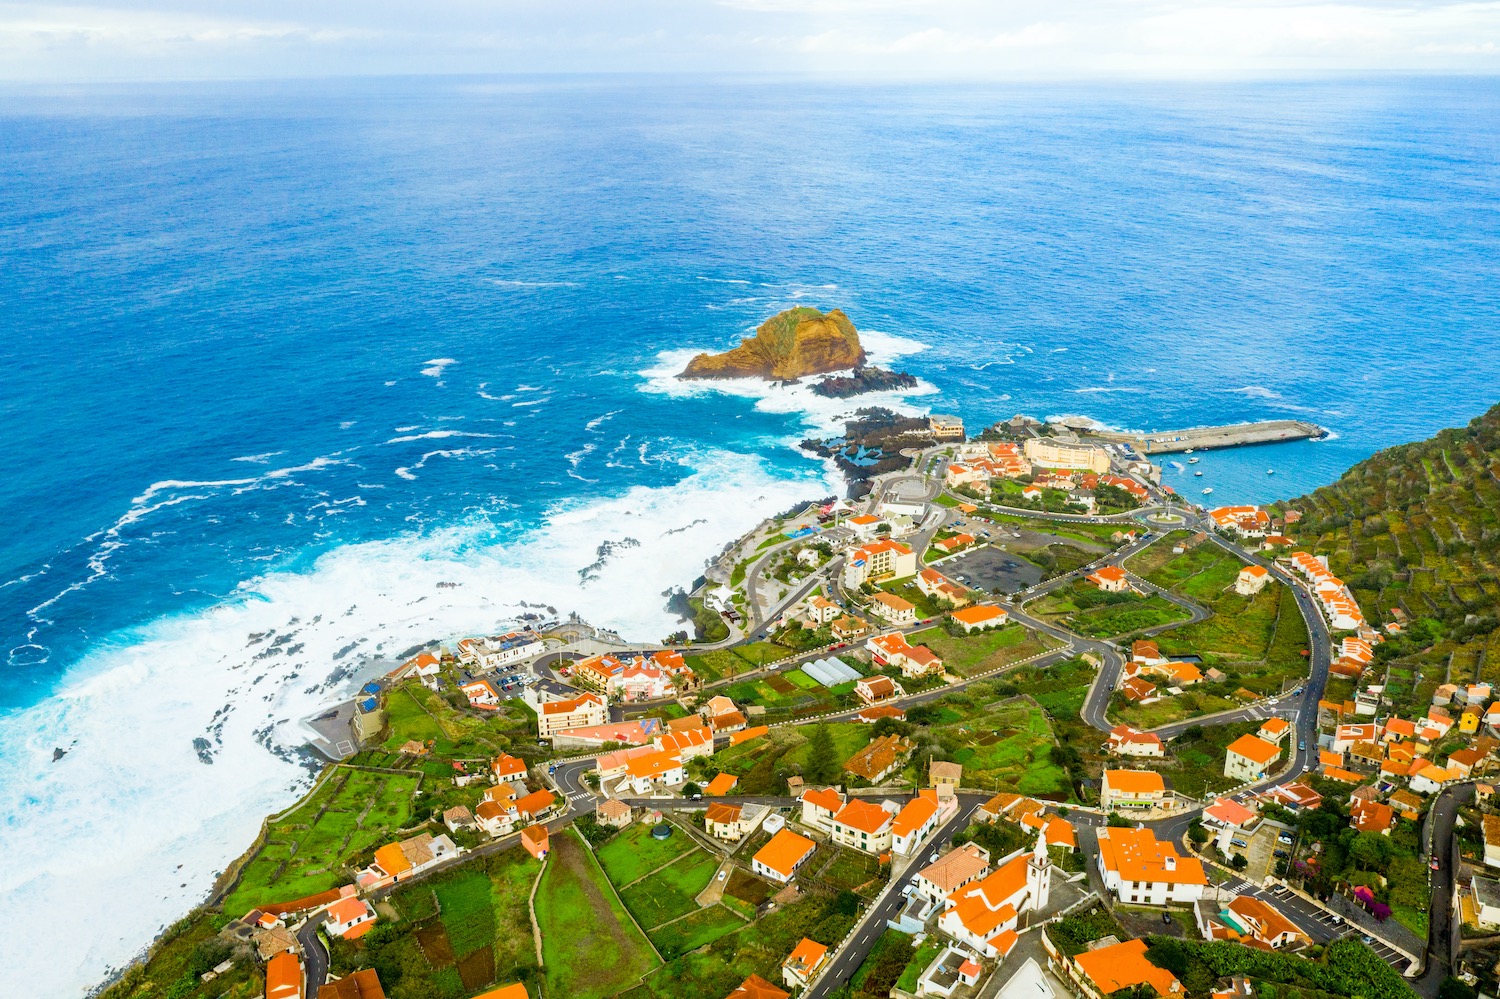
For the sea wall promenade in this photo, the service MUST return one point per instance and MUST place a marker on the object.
(1205, 438)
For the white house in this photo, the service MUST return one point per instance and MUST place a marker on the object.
(346, 916)
(1142, 870)
(983, 915)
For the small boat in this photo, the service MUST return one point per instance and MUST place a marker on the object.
(1270, 471)
(1192, 461)
(1198, 475)
(1188, 451)
(1207, 491)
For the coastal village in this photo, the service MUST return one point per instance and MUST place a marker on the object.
(1020, 722)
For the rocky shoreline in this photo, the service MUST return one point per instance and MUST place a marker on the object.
(862, 380)
(872, 443)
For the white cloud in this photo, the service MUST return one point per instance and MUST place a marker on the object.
(879, 38)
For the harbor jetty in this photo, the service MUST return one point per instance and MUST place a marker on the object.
(1207, 438)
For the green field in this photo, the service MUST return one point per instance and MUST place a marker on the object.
(327, 832)
(969, 655)
(467, 910)
(632, 853)
(1087, 610)
(693, 931)
(758, 948)
(1005, 746)
(1060, 689)
(760, 765)
(670, 892)
(591, 949)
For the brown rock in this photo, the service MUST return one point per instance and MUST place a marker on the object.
(791, 344)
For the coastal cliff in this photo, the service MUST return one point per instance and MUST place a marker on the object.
(791, 344)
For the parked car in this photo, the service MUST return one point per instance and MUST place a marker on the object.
(1284, 838)
(1281, 854)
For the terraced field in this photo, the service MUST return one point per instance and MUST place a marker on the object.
(1417, 528)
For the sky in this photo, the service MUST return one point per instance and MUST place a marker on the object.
(880, 39)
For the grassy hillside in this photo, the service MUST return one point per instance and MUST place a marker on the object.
(1417, 527)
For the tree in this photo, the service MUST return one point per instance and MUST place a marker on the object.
(1117, 821)
(822, 765)
(1455, 988)
(1197, 833)
(1239, 862)
(690, 788)
(1370, 851)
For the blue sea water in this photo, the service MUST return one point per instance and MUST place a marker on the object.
(279, 359)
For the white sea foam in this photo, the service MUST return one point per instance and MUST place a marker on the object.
(599, 421)
(258, 459)
(533, 402)
(131, 801)
(533, 284)
(434, 368)
(821, 415)
(1255, 392)
(436, 435)
(1107, 389)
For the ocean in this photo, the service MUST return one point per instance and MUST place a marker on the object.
(280, 359)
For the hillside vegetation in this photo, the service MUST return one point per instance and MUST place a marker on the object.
(1417, 528)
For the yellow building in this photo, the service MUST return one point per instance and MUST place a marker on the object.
(1046, 452)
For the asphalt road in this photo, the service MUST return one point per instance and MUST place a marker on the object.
(872, 924)
(314, 954)
(1442, 930)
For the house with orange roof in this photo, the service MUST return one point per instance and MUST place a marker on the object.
(351, 917)
(881, 758)
(535, 841)
(1274, 730)
(892, 609)
(1250, 521)
(1227, 818)
(1371, 816)
(362, 984)
(872, 715)
(874, 689)
(1465, 762)
(1118, 967)
(821, 610)
(1110, 579)
(1406, 804)
(1431, 779)
(613, 813)
(980, 617)
(1142, 870)
(912, 660)
(1251, 580)
(656, 771)
(849, 628)
(687, 744)
(958, 867)
(819, 806)
(722, 820)
(878, 560)
(582, 711)
(1249, 758)
(756, 987)
(950, 545)
(863, 826)
(914, 823)
(395, 861)
(1138, 690)
(481, 695)
(746, 735)
(803, 963)
(983, 915)
(1056, 830)
(1146, 652)
(506, 767)
(513, 991)
(1133, 790)
(284, 976)
(937, 586)
(424, 666)
(721, 785)
(782, 857)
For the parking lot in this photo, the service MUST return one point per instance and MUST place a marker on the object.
(1323, 926)
(992, 570)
